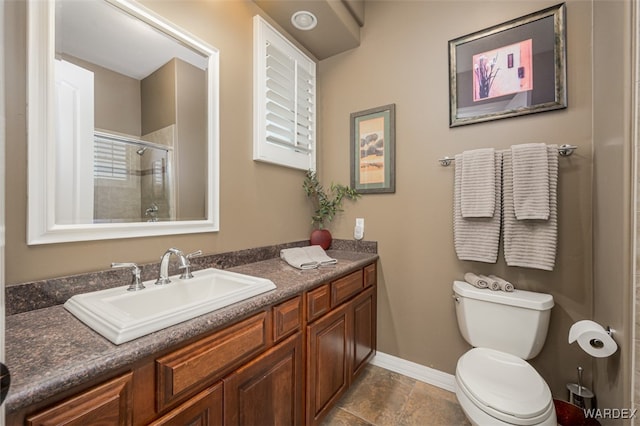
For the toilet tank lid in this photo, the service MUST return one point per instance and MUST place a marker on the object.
(520, 298)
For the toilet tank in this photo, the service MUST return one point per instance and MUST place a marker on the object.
(513, 322)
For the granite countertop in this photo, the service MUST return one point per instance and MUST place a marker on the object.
(49, 350)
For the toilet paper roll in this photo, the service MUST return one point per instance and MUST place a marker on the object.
(592, 338)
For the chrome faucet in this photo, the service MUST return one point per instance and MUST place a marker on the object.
(164, 265)
(185, 265)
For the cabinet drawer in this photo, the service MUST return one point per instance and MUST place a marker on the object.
(346, 287)
(318, 302)
(108, 403)
(180, 373)
(203, 409)
(370, 277)
(286, 318)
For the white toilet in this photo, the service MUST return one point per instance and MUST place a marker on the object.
(494, 383)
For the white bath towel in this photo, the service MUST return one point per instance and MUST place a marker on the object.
(318, 254)
(475, 280)
(477, 191)
(492, 284)
(308, 257)
(504, 284)
(530, 181)
(531, 243)
(477, 238)
(298, 258)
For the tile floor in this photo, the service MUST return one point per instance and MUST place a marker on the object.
(380, 397)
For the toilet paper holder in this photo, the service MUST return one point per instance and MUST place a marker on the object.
(599, 344)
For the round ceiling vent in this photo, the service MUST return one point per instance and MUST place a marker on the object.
(304, 20)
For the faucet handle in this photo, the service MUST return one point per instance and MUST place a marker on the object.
(186, 273)
(136, 284)
(194, 254)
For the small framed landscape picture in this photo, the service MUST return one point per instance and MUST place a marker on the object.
(373, 150)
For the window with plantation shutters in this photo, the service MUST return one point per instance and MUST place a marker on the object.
(284, 100)
(110, 159)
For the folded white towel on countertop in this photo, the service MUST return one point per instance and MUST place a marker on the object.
(504, 284)
(478, 187)
(475, 280)
(477, 238)
(319, 255)
(531, 243)
(530, 181)
(309, 257)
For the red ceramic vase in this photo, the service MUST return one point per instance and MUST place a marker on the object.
(321, 237)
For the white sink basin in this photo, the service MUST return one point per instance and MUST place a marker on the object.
(121, 315)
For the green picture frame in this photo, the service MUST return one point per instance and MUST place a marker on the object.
(373, 148)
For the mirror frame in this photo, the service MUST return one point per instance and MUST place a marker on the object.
(41, 225)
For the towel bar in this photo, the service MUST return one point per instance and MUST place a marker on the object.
(564, 151)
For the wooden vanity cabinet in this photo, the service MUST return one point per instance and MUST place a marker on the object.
(268, 390)
(327, 362)
(287, 365)
(340, 343)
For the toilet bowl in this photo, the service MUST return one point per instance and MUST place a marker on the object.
(495, 385)
(496, 388)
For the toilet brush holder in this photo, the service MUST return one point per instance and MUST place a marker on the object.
(580, 395)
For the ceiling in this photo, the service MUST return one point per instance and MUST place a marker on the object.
(100, 33)
(338, 28)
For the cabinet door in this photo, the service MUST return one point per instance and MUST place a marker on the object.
(204, 409)
(327, 362)
(268, 390)
(364, 330)
(107, 404)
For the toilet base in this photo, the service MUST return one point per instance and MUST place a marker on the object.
(477, 417)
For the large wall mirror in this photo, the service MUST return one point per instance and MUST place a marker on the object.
(123, 124)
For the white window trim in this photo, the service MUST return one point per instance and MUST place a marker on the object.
(263, 150)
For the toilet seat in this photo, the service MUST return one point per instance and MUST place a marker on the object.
(504, 386)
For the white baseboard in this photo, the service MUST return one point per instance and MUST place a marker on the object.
(425, 374)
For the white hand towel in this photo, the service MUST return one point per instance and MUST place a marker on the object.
(320, 256)
(531, 243)
(530, 181)
(478, 183)
(475, 280)
(298, 258)
(491, 283)
(477, 238)
(504, 284)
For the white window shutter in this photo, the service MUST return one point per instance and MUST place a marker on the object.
(284, 100)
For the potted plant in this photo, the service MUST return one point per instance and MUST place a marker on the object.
(326, 205)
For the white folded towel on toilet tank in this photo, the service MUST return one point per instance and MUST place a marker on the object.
(493, 284)
(503, 284)
(476, 280)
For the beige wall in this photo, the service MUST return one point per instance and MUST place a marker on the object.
(158, 98)
(260, 204)
(403, 60)
(191, 118)
(612, 224)
(117, 99)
